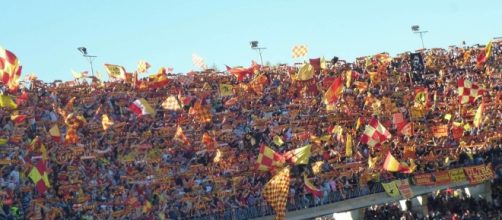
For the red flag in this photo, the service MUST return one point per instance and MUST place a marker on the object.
(375, 133)
(334, 91)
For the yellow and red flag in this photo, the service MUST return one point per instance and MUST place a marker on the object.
(10, 69)
(17, 118)
(39, 176)
(392, 164)
(334, 91)
(268, 159)
(276, 192)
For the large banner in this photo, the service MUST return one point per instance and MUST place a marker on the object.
(404, 187)
(479, 174)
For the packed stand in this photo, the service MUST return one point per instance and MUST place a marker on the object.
(195, 157)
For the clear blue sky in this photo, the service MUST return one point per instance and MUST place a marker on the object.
(45, 34)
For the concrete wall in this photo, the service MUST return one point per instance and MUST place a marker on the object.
(352, 207)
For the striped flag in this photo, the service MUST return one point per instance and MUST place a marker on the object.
(10, 69)
(141, 107)
(375, 133)
(299, 156)
(300, 50)
(392, 164)
(311, 188)
(276, 192)
(198, 61)
(268, 159)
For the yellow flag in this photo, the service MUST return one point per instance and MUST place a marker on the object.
(391, 189)
(372, 161)
(106, 122)
(3, 141)
(306, 72)
(6, 102)
(348, 146)
(348, 78)
(447, 117)
(217, 157)
(278, 141)
(317, 166)
(478, 116)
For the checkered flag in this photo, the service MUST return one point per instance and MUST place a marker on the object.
(300, 50)
(468, 91)
(198, 61)
(171, 103)
(276, 192)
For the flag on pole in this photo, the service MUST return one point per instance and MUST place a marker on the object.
(276, 192)
(375, 133)
(334, 91)
(10, 69)
(468, 91)
(299, 155)
(198, 61)
(300, 50)
(115, 71)
(392, 164)
(311, 188)
(141, 107)
(268, 159)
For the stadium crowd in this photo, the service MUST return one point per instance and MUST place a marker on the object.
(195, 157)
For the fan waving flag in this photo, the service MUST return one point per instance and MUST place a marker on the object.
(276, 192)
(375, 133)
(468, 91)
(198, 61)
(300, 50)
(392, 164)
(141, 107)
(268, 159)
(10, 69)
(299, 156)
